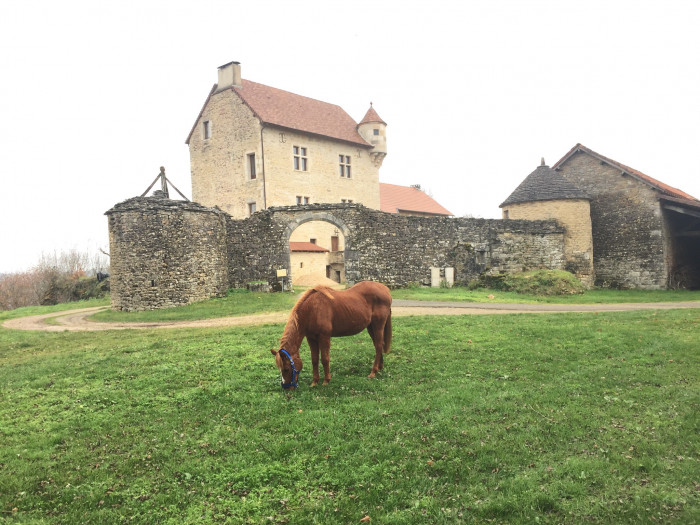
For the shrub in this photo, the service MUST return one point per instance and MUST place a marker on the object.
(534, 282)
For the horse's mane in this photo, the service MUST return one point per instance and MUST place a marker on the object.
(291, 329)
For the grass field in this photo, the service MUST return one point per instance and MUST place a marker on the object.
(559, 418)
(240, 302)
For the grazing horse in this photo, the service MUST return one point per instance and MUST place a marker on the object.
(322, 313)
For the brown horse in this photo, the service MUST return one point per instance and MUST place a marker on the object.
(322, 313)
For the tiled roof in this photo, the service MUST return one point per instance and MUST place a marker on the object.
(305, 247)
(288, 110)
(394, 199)
(656, 184)
(544, 184)
(371, 116)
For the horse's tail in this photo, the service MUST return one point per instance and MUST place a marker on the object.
(387, 334)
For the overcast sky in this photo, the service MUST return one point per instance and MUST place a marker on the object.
(96, 95)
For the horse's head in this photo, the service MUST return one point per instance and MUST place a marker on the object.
(289, 368)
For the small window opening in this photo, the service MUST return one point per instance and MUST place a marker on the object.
(251, 166)
(206, 129)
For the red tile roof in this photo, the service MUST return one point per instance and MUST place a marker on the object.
(288, 110)
(656, 184)
(371, 116)
(305, 247)
(296, 112)
(394, 199)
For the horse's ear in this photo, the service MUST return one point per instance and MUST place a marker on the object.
(274, 352)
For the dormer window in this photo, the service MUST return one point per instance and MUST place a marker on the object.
(206, 130)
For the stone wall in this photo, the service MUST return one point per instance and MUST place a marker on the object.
(627, 224)
(396, 250)
(165, 253)
(575, 216)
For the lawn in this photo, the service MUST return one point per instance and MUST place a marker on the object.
(241, 302)
(559, 418)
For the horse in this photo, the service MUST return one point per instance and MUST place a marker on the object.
(322, 313)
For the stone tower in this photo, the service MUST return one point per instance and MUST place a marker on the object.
(373, 129)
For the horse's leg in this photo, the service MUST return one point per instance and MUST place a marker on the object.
(313, 345)
(324, 344)
(376, 332)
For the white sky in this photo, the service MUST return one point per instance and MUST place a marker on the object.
(95, 96)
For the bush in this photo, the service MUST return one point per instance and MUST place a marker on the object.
(534, 282)
(57, 278)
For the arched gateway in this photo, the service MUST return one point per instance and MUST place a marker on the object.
(165, 252)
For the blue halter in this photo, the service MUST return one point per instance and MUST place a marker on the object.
(295, 372)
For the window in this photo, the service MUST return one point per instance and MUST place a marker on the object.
(206, 130)
(251, 208)
(312, 241)
(252, 174)
(376, 132)
(300, 160)
(302, 200)
(344, 161)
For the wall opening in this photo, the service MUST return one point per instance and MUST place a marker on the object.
(317, 254)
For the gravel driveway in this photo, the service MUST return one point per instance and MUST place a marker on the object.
(77, 320)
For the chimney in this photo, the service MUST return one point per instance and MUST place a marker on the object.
(229, 76)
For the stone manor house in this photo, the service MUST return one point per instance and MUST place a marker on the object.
(285, 185)
(253, 147)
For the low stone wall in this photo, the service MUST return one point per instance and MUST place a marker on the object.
(166, 253)
(394, 249)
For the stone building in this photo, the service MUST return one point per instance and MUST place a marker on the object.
(254, 146)
(166, 253)
(546, 194)
(646, 234)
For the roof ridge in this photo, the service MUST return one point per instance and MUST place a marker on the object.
(643, 177)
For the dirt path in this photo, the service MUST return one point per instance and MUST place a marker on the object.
(77, 320)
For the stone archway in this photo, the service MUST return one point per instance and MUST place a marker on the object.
(317, 244)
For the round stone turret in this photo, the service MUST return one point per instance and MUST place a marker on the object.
(373, 129)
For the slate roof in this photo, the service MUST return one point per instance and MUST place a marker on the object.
(544, 184)
(394, 199)
(295, 112)
(305, 247)
(656, 184)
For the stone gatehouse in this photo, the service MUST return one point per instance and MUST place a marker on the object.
(166, 253)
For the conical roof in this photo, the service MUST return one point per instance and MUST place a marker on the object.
(544, 184)
(371, 116)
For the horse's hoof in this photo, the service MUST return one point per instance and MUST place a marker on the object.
(315, 383)
(371, 376)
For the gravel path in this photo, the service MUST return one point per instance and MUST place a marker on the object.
(77, 320)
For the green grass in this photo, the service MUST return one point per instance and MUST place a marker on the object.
(507, 419)
(243, 302)
(237, 302)
(38, 310)
(595, 296)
